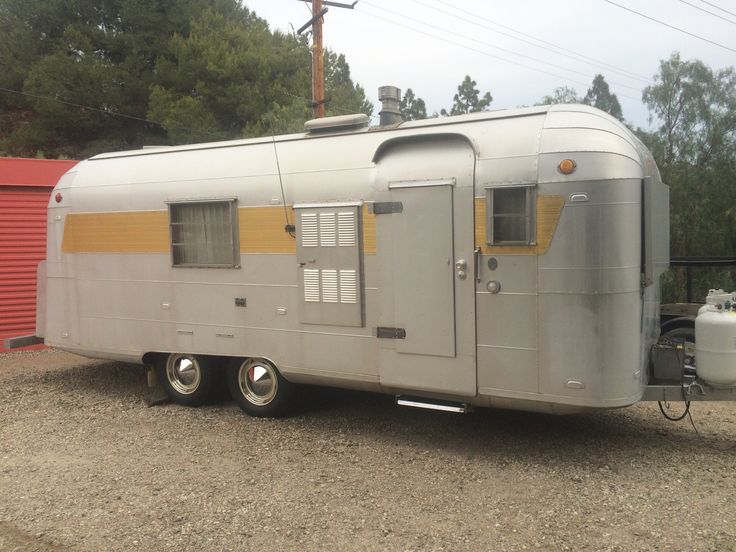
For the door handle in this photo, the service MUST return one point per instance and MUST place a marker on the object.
(476, 264)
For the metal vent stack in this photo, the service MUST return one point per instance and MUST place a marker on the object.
(389, 96)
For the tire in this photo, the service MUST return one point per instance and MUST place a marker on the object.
(188, 379)
(258, 388)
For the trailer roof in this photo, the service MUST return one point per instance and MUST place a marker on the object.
(438, 121)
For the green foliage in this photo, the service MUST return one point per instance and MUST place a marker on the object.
(197, 70)
(467, 99)
(599, 95)
(345, 98)
(694, 145)
(412, 108)
(562, 95)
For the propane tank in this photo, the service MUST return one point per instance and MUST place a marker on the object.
(715, 340)
(716, 296)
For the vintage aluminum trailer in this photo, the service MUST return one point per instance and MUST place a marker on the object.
(508, 259)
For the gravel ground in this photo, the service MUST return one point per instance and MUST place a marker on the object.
(86, 465)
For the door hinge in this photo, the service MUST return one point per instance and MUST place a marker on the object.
(390, 333)
(387, 207)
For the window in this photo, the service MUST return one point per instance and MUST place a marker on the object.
(510, 215)
(204, 234)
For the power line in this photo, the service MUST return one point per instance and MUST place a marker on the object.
(219, 137)
(671, 26)
(484, 53)
(569, 53)
(86, 107)
(442, 29)
(330, 104)
(718, 7)
(110, 113)
(708, 12)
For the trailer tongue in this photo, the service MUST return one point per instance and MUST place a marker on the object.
(710, 373)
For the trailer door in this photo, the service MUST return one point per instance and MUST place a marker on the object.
(424, 232)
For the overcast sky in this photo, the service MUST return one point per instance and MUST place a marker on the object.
(498, 44)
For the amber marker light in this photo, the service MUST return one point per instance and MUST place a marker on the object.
(58, 198)
(567, 166)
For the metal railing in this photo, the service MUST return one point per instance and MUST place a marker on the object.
(690, 263)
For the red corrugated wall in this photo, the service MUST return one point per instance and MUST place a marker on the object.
(25, 186)
(22, 247)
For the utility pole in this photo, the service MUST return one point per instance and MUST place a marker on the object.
(318, 56)
(318, 63)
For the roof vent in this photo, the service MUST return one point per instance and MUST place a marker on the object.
(340, 122)
(390, 98)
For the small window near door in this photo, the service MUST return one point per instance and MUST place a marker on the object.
(510, 215)
(204, 234)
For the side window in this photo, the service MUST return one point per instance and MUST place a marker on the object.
(510, 215)
(330, 259)
(204, 234)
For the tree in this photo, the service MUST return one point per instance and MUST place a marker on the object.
(173, 71)
(694, 144)
(599, 95)
(412, 108)
(562, 95)
(345, 96)
(467, 99)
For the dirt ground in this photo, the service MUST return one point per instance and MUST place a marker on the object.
(85, 464)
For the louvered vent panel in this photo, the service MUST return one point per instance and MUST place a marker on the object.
(346, 229)
(310, 233)
(348, 286)
(327, 230)
(311, 285)
(329, 286)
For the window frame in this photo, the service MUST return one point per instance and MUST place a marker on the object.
(530, 215)
(232, 202)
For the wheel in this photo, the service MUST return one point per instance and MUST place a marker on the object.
(189, 380)
(258, 388)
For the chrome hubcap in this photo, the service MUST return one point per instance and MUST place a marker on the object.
(183, 373)
(258, 381)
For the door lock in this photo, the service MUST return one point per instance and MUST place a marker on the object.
(461, 266)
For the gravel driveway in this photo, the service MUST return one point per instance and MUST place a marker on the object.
(86, 465)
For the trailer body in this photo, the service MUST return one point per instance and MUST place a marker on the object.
(450, 258)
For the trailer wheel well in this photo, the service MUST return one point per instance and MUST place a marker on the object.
(150, 359)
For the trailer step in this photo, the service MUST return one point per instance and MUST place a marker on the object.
(432, 404)
(23, 341)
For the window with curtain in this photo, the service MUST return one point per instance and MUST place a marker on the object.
(204, 234)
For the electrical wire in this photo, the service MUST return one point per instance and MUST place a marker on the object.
(671, 26)
(106, 112)
(287, 227)
(331, 105)
(709, 12)
(716, 6)
(704, 441)
(689, 415)
(484, 53)
(442, 29)
(544, 44)
(675, 418)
